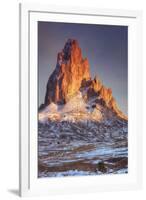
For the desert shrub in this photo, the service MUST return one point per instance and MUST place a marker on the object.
(101, 167)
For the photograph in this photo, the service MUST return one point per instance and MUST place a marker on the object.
(82, 99)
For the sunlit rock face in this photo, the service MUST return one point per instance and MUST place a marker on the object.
(70, 78)
(106, 95)
(71, 69)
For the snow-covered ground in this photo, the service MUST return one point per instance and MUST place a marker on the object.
(82, 148)
(76, 109)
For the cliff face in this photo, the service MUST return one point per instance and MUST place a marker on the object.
(71, 75)
(71, 69)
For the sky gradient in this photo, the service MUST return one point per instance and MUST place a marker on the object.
(105, 46)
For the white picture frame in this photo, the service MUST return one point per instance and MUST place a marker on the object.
(29, 184)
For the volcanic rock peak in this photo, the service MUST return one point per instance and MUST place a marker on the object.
(71, 69)
(71, 75)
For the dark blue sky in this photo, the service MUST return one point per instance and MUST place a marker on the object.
(105, 46)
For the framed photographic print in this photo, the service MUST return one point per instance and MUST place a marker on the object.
(80, 91)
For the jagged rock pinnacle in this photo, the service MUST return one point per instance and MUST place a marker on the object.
(71, 69)
(71, 75)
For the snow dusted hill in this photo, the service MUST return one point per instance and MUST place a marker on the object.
(77, 109)
(81, 138)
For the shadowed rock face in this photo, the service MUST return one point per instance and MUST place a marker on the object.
(72, 74)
